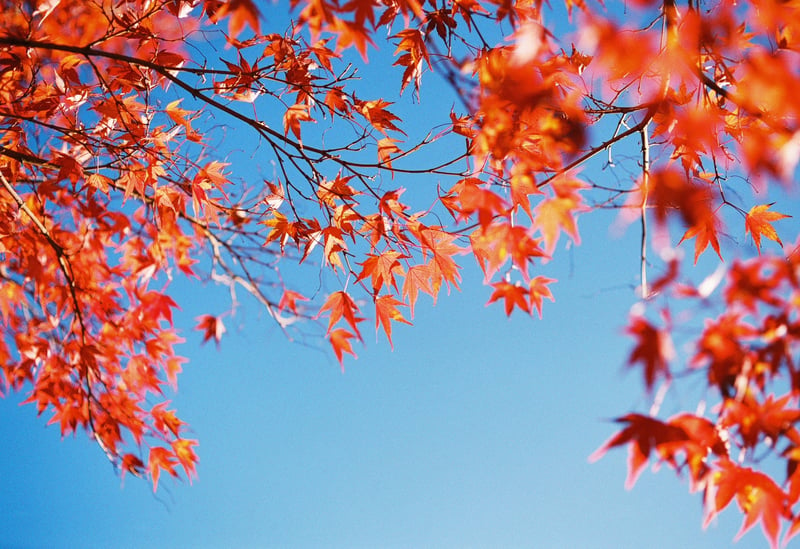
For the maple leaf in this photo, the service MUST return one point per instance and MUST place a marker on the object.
(748, 285)
(540, 291)
(758, 222)
(336, 101)
(351, 33)
(721, 351)
(377, 115)
(211, 326)
(756, 494)
(644, 434)
(671, 191)
(172, 367)
(382, 268)
(514, 295)
(705, 232)
(493, 245)
(180, 116)
(417, 279)
(160, 458)
(413, 42)
(340, 340)
(132, 464)
(283, 229)
(390, 204)
(386, 148)
(463, 125)
(753, 420)
(241, 12)
(99, 182)
(338, 189)
(468, 196)
(165, 420)
(523, 185)
(341, 305)
(289, 301)
(552, 215)
(293, 116)
(385, 312)
(653, 349)
(444, 267)
(184, 451)
(334, 244)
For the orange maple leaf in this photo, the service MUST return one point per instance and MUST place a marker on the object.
(386, 148)
(164, 419)
(292, 118)
(705, 232)
(418, 279)
(444, 267)
(340, 340)
(385, 312)
(493, 245)
(468, 196)
(539, 291)
(181, 117)
(183, 449)
(341, 305)
(382, 269)
(349, 34)
(289, 301)
(160, 458)
(552, 215)
(523, 185)
(758, 223)
(377, 115)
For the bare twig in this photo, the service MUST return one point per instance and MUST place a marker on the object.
(645, 131)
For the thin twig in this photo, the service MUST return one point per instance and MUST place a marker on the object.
(645, 131)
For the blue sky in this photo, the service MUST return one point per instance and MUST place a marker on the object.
(473, 432)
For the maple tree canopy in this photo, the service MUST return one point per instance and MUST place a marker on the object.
(112, 183)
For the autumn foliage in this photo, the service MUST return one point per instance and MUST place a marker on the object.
(115, 179)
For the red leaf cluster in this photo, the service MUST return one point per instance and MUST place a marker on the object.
(123, 134)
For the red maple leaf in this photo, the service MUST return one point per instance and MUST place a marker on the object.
(515, 295)
(211, 326)
(653, 349)
(757, 495)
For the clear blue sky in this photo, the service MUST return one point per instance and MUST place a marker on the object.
(474, 432)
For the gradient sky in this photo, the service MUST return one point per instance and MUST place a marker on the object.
(473, 432)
